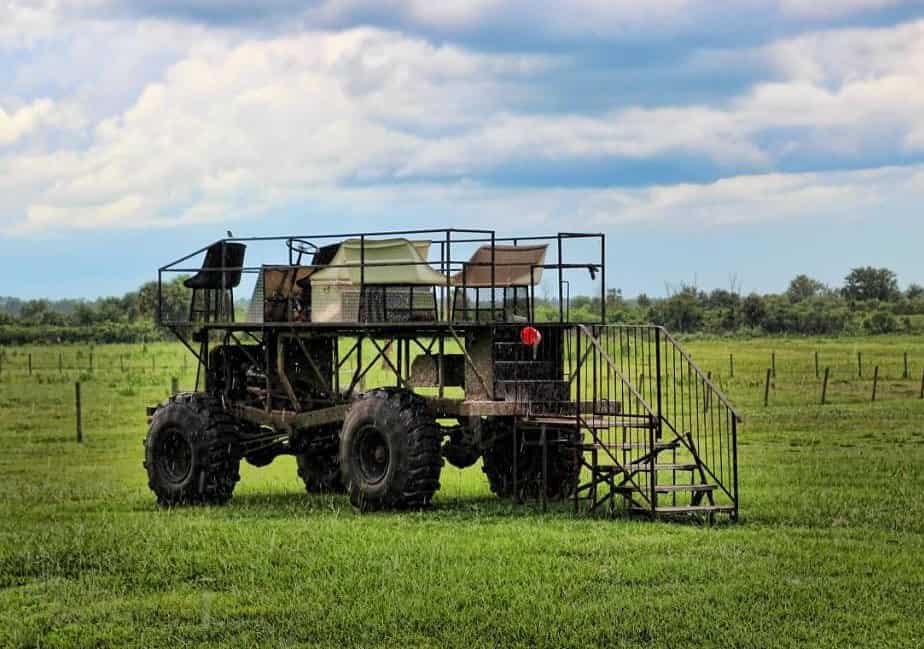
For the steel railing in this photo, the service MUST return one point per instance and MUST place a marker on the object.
(671, 413)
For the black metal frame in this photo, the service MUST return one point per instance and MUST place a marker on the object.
(632, 392)
(447, 237)
(446, 262)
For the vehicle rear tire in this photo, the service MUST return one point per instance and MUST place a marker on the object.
(390, 451)
(320, 473)
(317, 453)
(188, 452)
(564, 462)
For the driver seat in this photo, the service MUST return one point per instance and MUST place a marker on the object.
(213, 290)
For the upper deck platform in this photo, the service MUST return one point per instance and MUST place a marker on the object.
(422, 279)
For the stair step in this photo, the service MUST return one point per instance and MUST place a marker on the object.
(523, 361)
(551, 441)
(677, 488)
(686, 509)
(628, 446)
(597, 423)
(603, 421)
(664, 467)
(513, 368)
(632, 423)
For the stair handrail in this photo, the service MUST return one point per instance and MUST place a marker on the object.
(725, 479)
(702, 375)
(736, 418)
(650, 496)
(615, 368)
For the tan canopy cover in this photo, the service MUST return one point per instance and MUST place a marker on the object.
(514, 266)
(381, 251)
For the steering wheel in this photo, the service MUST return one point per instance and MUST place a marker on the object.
(302, 247)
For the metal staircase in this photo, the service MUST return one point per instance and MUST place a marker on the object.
(653, 434)
(672, 448)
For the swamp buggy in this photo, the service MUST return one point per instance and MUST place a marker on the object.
(373, 358)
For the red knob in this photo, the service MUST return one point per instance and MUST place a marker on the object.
(530, 336)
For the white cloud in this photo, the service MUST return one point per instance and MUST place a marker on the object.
(834, 196)
(233, 125)
(634, 133)
(845, 55)
(627, 20)
(258, 124)
(19, 123)
(775, 197)
(24, 21)
(822, 9)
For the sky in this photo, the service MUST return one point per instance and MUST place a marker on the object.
(723, 144)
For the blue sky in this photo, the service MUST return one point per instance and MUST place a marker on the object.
(716, 143)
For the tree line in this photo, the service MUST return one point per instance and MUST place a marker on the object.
(869, 302)
(128, 318)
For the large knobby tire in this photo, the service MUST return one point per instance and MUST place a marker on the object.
(188, 452)
(564, 462)
(390, 451)
(318, 457)
(320, 472)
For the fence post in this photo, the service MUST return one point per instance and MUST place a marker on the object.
(122, 362)
(922, 384)
(731, 366)
(91, 360)
(824, 386)
(60, 362)
(767, 389)
(174, 386)
(773, 363)
(816, 363)
(875, 381)
(860, 365)
(77, 405)
(30, 363)
(906, 375)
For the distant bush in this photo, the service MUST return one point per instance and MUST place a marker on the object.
(107, 332)
(683, 312)
(881, 322)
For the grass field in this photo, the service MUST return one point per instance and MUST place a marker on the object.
(829, 551)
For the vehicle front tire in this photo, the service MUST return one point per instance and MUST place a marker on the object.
(188, 452)
(390, 451)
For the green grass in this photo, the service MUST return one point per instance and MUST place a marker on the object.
(828, 552)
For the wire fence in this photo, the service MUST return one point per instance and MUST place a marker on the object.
(17, 362)
(822, 377)
(807, 376)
